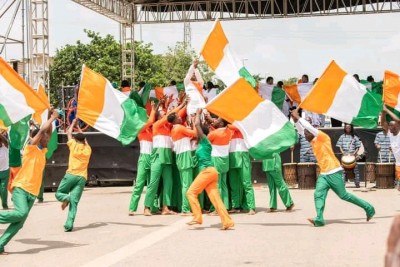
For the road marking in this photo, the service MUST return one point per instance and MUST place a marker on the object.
(137, 245)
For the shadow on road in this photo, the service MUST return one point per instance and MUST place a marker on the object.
(101, 224)
(275, 224)
(49, 245)
(277, 211)
(90, 226)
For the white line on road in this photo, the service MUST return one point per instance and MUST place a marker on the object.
(137, 245)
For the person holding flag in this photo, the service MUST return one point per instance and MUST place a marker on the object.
(70, 190)
(331, 171)
(161, 163)
(145, 137)
(194, 88)
(26, 185)
(207, 179)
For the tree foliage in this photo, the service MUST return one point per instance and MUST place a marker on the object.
(101, 54)
(290, 81)
(148, 66)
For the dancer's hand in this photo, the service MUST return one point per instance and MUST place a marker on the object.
(295, 115)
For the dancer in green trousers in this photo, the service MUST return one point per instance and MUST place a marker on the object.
(4, 170)
(71, 187)
(331, 171)
(161, 163)
(273, 169)
(220, 139)
(181, 137)
(242, 191)
(26, 184)
(145, 137)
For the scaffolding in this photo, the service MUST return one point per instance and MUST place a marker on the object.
(38, 43)
(15, 7)
(127, 52)
(187, 34)
(180, 11)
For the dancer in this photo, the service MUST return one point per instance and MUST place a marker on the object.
(181, 137)
(26, 184)
(161, 163)
(194, 88)
(207, 179)
(331, 171)
(220, 139)
(145, 137)
(71, 187)
(240, 174)
(273, 169)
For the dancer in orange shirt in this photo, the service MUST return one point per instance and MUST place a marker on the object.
(71, 187)
(331, 171)
(26, 185)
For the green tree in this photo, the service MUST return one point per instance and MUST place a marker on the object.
(176, 62)
(290, 81)
(148, 66)
(102, 54)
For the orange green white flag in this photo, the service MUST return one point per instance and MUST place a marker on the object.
(297, 92)
(264, 127)
(17, 99)
(219, 56)
(340, 96)
(107, 109)
(391, 90)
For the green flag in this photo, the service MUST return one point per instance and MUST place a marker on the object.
(146, 93)
(19, 133)
(278, 96)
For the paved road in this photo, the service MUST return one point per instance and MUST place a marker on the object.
(105, 236)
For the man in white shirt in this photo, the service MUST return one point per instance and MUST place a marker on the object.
(194, 88)
(4, 169)
(394, 129)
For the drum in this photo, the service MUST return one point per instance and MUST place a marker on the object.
(290, 173)
(348, 162)
(369, 172)
(306, 175)
(384, 175)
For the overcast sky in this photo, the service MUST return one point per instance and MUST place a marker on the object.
(282, 48)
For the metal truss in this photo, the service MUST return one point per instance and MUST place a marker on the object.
(38, 20)
(127, 52)
(187, 34)
(118, 10)
(167, 12)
